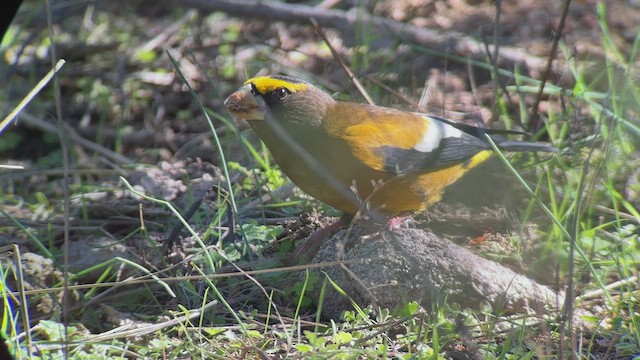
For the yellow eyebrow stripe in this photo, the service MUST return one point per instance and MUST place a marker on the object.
(265, 84)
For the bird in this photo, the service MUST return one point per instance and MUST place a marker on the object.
(360, 157)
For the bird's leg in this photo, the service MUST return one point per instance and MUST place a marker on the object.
(308, 249)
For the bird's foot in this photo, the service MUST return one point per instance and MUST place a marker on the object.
(401, 221)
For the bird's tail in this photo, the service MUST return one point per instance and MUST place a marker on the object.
(498, 137)
(510, 145)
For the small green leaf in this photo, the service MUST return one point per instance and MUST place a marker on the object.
(145, 56)
(304, 348)
(408, 309)
(254, 334)
(342, 338)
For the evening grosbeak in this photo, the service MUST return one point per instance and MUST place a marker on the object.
(347, 154)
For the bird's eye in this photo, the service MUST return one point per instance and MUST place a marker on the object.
(280, 94)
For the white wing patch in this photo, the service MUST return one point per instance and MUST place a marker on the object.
(436, 131)
(450, 131)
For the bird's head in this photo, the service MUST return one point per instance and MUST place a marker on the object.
(285, 99)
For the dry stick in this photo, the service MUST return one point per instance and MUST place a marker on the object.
(120, 331)
(366, 293)
(476, 96)
(430, 83)
(568, 306)
(535, 117)
(502, 85)
(327, 4)
(66, 191)
(386, 328)
(160, 40)
(494, 59)
(346, 21)
(395, 93)
(145, 137)
(630, 281)
(72, 135)
(622, 215)
(144, 279)
(547, 72)
(344, 66)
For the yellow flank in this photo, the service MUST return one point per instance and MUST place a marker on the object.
(416, 192)
(477, 159)
(266, 84)
(403, 193)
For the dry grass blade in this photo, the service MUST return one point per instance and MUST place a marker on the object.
(39, 86)
(126, 331)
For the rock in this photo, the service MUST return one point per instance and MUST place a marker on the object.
(388, 268)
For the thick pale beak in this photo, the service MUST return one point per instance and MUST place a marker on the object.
(242, 104)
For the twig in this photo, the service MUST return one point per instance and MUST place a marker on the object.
(430, 83)
(160, 40)
(547, 72)
(494, 61)
(122, 332)
(50, 128)
(66, 180)
(621, 214)
(342, 63)
(633, 281)
(144, 279)
(327, 4)
(395, 93)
